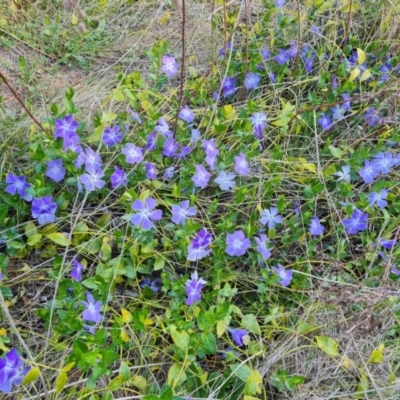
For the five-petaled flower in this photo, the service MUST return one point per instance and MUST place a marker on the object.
(170, 67)
(181, 212)
(92, 312)
(193, 288)
(316, 228)
(133, 154)
(11, 371)
(55, 170)
(93, 180)
(344, 174)
(162, 127)
(241, 165)
(44, 209)
(262, 246)
(384, 161)
(370, 171)
(270, 217)
(18, 185)
(378, 198)
(186, 114)
(146, 213)
(118, 178)
(112, 136)
(238, 335)
(226, 180)
(325, 121)
(284, 274)
(229, 86)
(259, 122)
(198, 247)
(237, 243)
(251, 81)
(358, 222)
(201, 177)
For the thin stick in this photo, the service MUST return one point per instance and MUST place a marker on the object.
(15, 94)
(22, 342)
(182, 66)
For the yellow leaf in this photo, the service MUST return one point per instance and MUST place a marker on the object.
(61, 381)
(68, 367)
(124, 336)
(346, 362)
(253, 383)
(360, 56)
(221, 328)
(203, 378)
(31, 376)
(74, 19)
(377, 355)
(58, 238)
(354, 74)
(3, 331)
(148, 321)
(140, 382)
(165, 18)
(328, 345)
(366, 75)
(126, 316)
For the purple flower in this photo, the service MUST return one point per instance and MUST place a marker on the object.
(270, 217)
(71, 142)
(76, 272)
(11, 371)
(259, 122)
(388, 243)
(133, 154)
(346, 105)
(262, 247)
(118, 178)
(92, 160)
(325, 121)
(112, 136)
(357, 223)
(162, 127)
(282, 57)
(226, 180)
(284, 274)
(93, 180)
(170, 67)
(238, 335)
(316, 30)
(338, 112)
(185, 150)
(181, 212)
(384, 161)
(308, 63)
(169, 173)
(229, 86)
(44, 209)
(227, 47)
(265, 53)
(344, 174)
(151, 284)
(334, 84)
(370, 171)
(151, 171)
(186, 114)
(151, 141)
(146, 213)
(18, 185)
(170, 147)
(193, 288)
(92, 312)
(135, 116)
(272, 77)
(209, 147)
(316, 228)
(198, 247)
(241, 165)
(378, 198)
(55, 170)
(211, 161)
(371, 117)
(237, 243)
(251, 81)
(195, 135)
(201, 177)
(65, 128)
(280, 3)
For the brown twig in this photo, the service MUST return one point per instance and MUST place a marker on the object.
(15, 94)
(183, 11)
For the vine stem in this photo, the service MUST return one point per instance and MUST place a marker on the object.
(20, 101)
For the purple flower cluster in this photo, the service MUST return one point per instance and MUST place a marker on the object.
(66, 130)
(382, 163)
(199, 246)
(193, 288)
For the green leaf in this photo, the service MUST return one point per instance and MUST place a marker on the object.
(176, 375)
(167, 394)
(209, 343)
(241, 371)
(335, 152)
(58, 238)
(151, 397)
(68, 367)
(61, 381)
(116, 383)
(377, 355)
(181, 339)
(159, 264)
(253, 383)
(31, 376)
(34, 239)
(250, 323)
(327, 345)
(30, 229)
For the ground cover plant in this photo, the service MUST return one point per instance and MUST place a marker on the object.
(219, 232)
